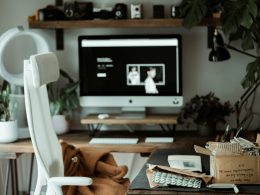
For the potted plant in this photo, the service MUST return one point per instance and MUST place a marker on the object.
(63, 99)
(240, 20)
(8, 127)
(206, 111)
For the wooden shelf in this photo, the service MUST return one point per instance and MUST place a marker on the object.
(128, 23)
(150, 119)
(59, 26)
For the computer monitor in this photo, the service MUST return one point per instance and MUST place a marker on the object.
(130, 71)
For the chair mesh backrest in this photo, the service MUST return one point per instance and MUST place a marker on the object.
(44, 139)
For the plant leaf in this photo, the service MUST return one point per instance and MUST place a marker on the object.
(237, 35)
(247, 41)
(249, 14)
(55, 107)
(193, 12)
(252, 73)
(238, 13)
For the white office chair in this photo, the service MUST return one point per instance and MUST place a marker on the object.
(38, 71)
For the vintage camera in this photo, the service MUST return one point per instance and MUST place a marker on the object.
(103, 13)
(78, 10)
(120, 11)
(175, 12)
(69, 9)
(158, 11)
(136, 11)
(50, 13)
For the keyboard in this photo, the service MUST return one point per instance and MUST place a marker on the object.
(113, 141)
(159, 140)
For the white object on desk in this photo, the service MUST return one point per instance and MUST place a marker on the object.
(113, 141)
(103, 116)
(224, 186)
(159, 139)
(186, 162)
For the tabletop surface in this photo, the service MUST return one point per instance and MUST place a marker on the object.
(82, 138)
(140, 184)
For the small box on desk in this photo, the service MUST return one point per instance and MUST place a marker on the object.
(228, 165)
(239, 169)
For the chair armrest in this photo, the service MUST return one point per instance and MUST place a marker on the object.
(70, 181)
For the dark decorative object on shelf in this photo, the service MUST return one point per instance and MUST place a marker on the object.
(158, 11)
(205, 111)
(240, 19)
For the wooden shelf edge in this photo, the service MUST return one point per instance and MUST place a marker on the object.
(128, 23)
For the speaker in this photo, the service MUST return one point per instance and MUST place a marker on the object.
(158, 11)
(120, 11)
(175, 12)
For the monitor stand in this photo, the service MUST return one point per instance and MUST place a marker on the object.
(132, 113)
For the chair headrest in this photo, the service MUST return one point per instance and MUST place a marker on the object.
(45, 68)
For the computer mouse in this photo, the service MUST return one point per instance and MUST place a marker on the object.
(103, 116)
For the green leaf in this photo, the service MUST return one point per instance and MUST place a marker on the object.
(70, 87)
(247, 41)
(237, 35)
(252, 74)
(193, 12)
(238, 13)
(55, 107)
(249, 14)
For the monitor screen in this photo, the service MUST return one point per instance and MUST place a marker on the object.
(141, 67)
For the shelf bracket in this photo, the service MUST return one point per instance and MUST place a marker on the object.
(59, 39)
(59, 2)
(59, 32)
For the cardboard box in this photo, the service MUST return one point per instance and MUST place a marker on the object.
(235, 169)
(232, 167)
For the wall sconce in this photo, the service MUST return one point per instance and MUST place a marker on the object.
(219, 51)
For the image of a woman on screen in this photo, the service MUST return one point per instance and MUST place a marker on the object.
(149, 84)
(133, 76)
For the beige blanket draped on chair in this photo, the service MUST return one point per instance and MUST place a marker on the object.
(108, 177)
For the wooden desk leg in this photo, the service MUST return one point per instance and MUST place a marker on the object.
(5, 192)
(15, 186)
(31, 173)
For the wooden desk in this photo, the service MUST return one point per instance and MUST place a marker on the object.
(11, 151)
(82, 138)
(166, 122)
(183, 139)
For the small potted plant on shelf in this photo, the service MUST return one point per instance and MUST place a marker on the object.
(62, 101)
(206, 112)
(8, 127)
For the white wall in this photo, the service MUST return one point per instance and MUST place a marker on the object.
(199, 75)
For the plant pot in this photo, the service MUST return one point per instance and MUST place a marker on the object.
(206, 130)
(8, 131)
(60, 124)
